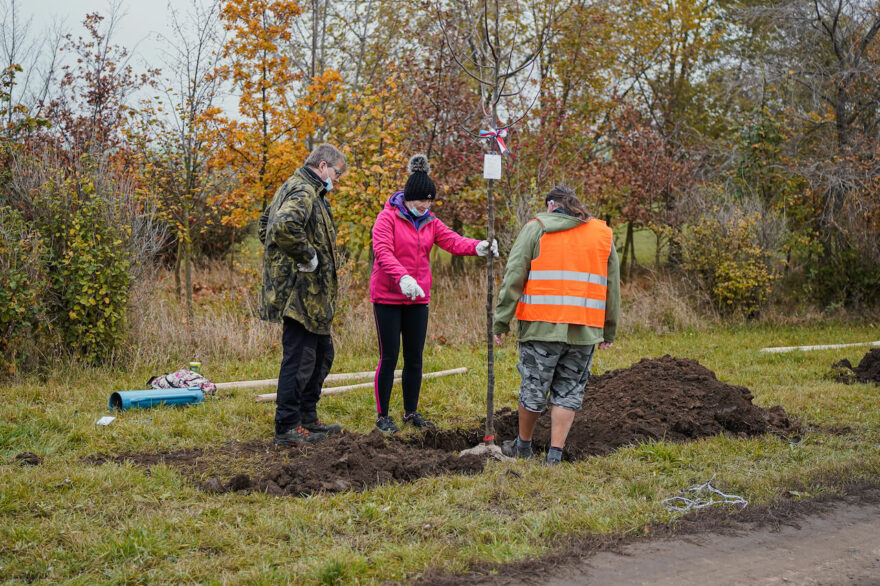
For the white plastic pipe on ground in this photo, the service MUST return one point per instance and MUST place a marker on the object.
(266, 398)
(821, 347)
(273, 382)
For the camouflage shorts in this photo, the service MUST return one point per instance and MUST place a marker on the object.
(553, 369)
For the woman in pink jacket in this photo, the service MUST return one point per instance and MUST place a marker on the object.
(400, 286)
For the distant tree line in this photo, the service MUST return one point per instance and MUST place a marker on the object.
(742, 133)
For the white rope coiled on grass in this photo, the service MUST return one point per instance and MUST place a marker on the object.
(702, 496)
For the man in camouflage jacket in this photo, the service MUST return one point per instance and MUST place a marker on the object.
(299, 291)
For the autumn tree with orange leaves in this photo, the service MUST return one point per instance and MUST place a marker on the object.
(373, 147)
(277, 108)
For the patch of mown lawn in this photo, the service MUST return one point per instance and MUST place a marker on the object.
(71, 520)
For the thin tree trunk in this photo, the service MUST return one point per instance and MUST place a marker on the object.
(627, 244)
(232, 251)
(630, 236)
(178, 259)
(489, 436)
(313, 69)
(187, 260)
(659, 236)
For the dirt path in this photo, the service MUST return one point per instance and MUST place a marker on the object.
(841, 546)
(827, 540)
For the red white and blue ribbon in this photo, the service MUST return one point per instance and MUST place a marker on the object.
(498, 135)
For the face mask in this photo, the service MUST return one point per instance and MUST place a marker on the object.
(415, 212)
(328, 183)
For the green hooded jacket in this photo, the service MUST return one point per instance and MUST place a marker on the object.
(525, 249)
(297, 225)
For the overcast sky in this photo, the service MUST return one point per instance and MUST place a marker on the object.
(140, 22)
(139, 26)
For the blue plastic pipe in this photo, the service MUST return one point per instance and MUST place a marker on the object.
(123, 400)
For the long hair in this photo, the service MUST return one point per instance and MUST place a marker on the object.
(568, 201)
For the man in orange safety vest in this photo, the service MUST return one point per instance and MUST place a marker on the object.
(563, 284)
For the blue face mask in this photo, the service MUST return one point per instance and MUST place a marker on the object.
(328, 183)
(416, 213)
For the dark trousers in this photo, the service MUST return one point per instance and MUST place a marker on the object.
(394, 322)
(305, 364)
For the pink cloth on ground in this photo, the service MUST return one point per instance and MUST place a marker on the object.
(183, 379)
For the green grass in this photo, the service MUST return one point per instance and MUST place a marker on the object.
(70, 521)
(645, 242)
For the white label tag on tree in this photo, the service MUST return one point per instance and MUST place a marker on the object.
(491, 166)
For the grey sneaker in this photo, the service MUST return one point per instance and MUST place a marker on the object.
(386, 424)
(511, 449)
(553, 457)
(548, 461)
(415, 419)
(318, 426)
(298, 435)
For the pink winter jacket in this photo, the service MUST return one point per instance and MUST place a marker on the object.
(401, 246)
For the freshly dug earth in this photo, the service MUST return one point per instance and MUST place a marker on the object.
(868, 370)
(356, 462)
(669, 398)
(348, 461)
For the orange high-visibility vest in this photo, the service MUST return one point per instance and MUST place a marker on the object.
(568, 282)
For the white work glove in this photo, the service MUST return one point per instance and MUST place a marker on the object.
(410, 288)
(310, 267)
(483, 248)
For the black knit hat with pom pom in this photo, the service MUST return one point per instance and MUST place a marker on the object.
(419, 185)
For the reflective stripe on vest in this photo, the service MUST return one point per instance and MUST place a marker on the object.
(567, 276)
(562, 300)
(568, 280)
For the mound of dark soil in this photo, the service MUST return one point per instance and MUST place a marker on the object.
(667, 398)
(348, 461)
(356, 462)
(868, 370)
(28, 459)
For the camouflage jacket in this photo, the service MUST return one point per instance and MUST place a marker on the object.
(295, 226)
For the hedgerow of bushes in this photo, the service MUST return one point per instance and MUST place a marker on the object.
(89, 265)
(65, 265)
(723, 252)
(23, 285)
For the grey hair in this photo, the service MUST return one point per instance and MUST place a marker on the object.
(327, 153)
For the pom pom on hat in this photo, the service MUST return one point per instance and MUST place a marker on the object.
(418, 163)
(419, 185)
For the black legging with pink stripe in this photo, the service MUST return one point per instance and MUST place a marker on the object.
(394, 322)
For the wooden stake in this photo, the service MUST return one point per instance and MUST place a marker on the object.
(273, 382)
(268, 397)
(820, 347)
(489, 433)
